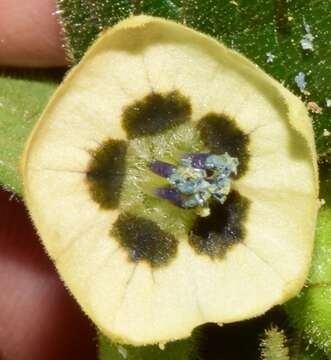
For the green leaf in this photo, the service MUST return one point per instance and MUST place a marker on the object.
(302, 350)
(321, 266)
(23, 96)
(311, 355)
(310, 312)
(179, 350)
(254, 28)
(83, 20)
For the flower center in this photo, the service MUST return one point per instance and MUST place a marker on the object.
(197, 179)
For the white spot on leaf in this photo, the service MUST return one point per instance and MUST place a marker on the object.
(307, 39)
(270, 57)
(300, 81)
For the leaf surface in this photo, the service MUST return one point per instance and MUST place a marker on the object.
(23, 96)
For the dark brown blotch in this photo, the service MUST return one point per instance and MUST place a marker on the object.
(215, 234)
(220, 134)
(155, 114)
(144, 240)
(106, 173)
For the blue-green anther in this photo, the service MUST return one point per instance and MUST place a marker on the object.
(224, 164)
(199, 183)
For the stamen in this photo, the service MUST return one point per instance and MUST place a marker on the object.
(162, 168)
(170, 194)
(197, 160)
(197, 180)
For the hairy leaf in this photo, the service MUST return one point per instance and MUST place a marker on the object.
(23, 96)
(310, 312)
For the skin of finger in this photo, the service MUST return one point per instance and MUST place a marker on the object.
(30, 34)
(38, 318)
